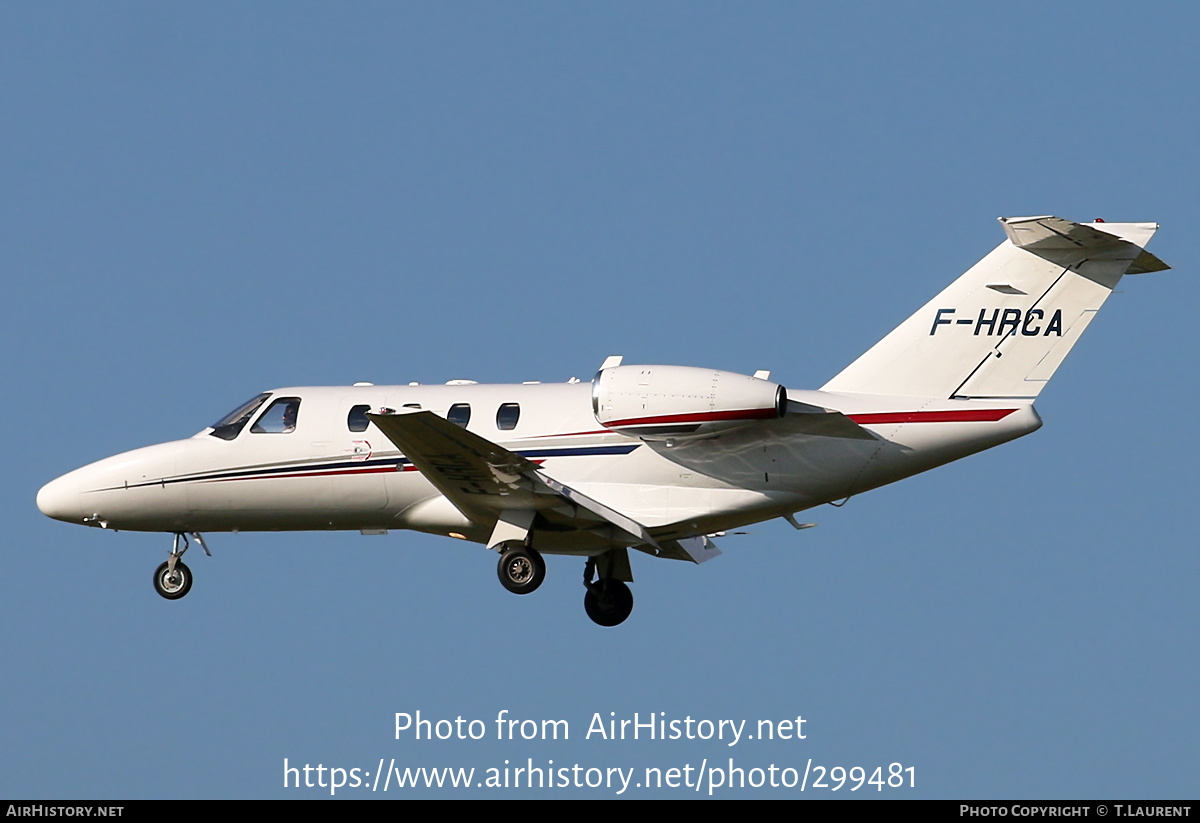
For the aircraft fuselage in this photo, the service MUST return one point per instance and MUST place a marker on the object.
(653, 458)
(322, 475)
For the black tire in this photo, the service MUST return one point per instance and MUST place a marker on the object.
(173, 589)
(608, 602)
(521, 570)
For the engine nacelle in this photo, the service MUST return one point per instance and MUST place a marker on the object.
(672, 402)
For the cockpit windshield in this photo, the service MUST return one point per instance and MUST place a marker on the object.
(279, 418)
(231, 425)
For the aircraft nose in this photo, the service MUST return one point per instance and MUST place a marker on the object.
(60, 499)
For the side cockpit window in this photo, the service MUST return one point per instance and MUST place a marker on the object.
(231, 425)
(459, 414)
(357, 420)
(507, 416)
(279, 418)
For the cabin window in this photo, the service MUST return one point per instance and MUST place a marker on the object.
(507, 416)
(357, 420)
(459, 414)
(279, 418)
(231, 425)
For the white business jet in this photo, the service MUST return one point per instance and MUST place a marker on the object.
(654, 458)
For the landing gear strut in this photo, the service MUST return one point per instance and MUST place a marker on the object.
(608, 601)
(521, 569)
(173, 579)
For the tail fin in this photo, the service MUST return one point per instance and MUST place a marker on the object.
(1002, 329)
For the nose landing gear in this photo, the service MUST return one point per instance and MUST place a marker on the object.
(173, 579)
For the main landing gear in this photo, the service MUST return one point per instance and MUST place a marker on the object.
(521, 569)
(173, 579)
(608, 601)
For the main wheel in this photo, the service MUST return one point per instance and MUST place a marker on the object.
(608, 602)
(521, 570)
(173, 585)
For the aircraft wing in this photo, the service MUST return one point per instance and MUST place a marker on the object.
(487, 481)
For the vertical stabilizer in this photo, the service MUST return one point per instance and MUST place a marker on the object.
(1002, 329)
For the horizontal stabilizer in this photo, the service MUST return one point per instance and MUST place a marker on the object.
(1067, 243)
(1145, 263)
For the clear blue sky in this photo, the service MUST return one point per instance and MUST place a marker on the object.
(202, 201)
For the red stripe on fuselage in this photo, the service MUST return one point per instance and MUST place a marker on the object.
(700, 417)
(950, 416)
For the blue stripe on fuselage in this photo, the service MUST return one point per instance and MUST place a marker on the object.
(354, 466)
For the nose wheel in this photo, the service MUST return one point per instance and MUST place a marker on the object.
(173, 579)
(173, 583)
